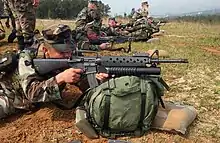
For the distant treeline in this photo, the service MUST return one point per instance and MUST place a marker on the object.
(212, 19)
(65, 9)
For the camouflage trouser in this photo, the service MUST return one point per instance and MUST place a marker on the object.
(25, 15)
(6, 100)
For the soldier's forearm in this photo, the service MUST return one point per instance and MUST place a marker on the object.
(43, 91)
(80, 24)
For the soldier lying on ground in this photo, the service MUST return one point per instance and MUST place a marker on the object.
(23, 88)
(88, 26)
(115, 28)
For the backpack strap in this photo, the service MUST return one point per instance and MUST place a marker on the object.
(107, 111)
(143, 104)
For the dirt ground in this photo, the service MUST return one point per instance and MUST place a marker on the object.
(196, 84)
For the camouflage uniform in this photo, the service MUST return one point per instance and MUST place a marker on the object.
(88, 25)
(139, 14)
(24, 88)
(25, 17)
(142, 12)
(112, 29)
(142, 27)
(2, 32)
(8, 11)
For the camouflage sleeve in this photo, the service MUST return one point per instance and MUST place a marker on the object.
(81, 19)
(7, 9)
(136, 15)
(85, 45)
(36, 88)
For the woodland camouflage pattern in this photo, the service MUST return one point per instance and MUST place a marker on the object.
(140, 13)
(84, 18)
(24, 13)
(24, 88)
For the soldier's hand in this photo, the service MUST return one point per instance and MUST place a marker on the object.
(102, 76)
(70, 75)
(104, 46)
(36, 3)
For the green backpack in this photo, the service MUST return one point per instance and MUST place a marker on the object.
(124, 106)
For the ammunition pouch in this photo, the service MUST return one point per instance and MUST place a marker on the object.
(83, 124)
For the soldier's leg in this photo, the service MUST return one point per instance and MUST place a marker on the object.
(6, 107)
(19, 34)
(26, 19)
(14, 6)
(27, 22)
(7, 96)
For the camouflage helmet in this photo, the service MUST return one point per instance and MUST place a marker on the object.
(2, 35)
(60, 37)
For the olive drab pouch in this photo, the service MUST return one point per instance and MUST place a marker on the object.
(124, 106)
(8, 62)
(82, 123)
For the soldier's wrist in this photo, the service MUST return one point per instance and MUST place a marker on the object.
(59, 79)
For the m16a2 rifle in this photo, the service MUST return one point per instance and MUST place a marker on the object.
(114, 40)
(137, 65)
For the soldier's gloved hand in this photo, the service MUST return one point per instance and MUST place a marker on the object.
(104, 46)
(102, 76)
(70, 75)
(36, 3)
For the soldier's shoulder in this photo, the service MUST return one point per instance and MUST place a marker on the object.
(139, 10)
(29, 52)
(83, 11)
(82, 14)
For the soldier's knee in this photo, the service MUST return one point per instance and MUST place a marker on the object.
(2, 113)
(5, 107)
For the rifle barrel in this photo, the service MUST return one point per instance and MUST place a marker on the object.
(135, 71)
(169, 61)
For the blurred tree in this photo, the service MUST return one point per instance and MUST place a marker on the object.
(65, 9)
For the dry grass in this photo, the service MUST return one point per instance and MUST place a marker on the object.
(196, 83)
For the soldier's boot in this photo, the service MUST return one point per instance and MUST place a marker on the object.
(21, 44)
(12, 36)
(28, 41)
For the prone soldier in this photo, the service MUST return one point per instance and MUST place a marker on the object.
(88, 26)
(23, 87)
